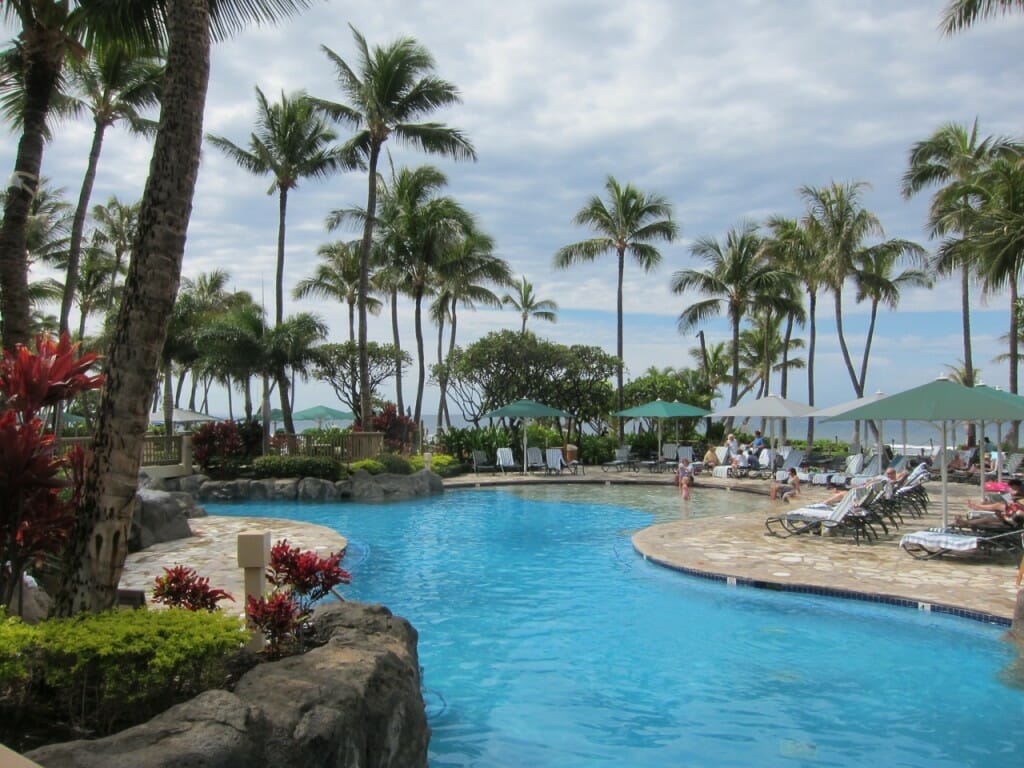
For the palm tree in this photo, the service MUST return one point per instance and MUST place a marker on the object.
(94, 283)
(526, 303)
(738, 281)
(951, 157)
(790, 246)
(630, 222)
(113, 83)
(390, 88)
(960, 14)
(115, 228)
(877, 284)
(337, 277)
(463, 277)
(96, 550)
(291, 142)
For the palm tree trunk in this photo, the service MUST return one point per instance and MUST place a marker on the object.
(422, 371)
(95, 554)
(812, 306)
(965, 313)
(282, 209)
(352, 322)
(784, 374)
(867, 346)
(365, 410)
(286, 405)
(45, 50)
(618, 349)
(180, 386)
(451, 349)
(78, 226)
(231, 410)
(168, 407)
(735, 397)
(842, 345)
(440, 362)
(399, 400)
(1014, 353)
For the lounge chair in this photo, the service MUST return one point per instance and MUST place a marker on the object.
(481, 464)
(850, 513)
(555, 462)
(534, 459)
(505, 461)
(871, 470)
(792, 461)
(621, 461)
(935, 542)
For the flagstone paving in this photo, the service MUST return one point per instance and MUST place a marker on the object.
(731, 545)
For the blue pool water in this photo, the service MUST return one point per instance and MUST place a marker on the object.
(547, 641)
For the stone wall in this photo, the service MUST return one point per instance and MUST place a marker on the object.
(353, 702)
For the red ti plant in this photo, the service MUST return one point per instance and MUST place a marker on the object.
(39, 490)
(182, 587)
(306, 576)
(277, 618)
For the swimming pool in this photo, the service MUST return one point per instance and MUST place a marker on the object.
(546, 641)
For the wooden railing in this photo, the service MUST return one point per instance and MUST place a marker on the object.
(157, 450)
(348, 447)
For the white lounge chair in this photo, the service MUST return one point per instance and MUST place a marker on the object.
(506, 463)
(534, 459)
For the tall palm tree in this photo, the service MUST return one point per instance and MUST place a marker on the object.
(629, 222)
(839, 226)
(94, 283)
(877, 283)
(96, 550)
(337, 277)
(291, 142)
(112, 84)
(464, 275)
(390, 88)
(961, 14)
(790, 247)
(526, 303)
(950, 158)
(116, 223)
(738, 280)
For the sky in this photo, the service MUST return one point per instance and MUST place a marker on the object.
(727, 110)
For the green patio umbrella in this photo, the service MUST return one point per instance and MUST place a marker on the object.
(941, 401)
(662, 409)
(323, 413)
(525, 409)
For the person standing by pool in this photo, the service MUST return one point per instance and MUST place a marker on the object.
(684, 478)
(757, 444)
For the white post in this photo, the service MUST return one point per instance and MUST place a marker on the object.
(253, 558)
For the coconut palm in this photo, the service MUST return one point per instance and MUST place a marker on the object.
(94, 283)
(389, 89)
(112, 84)
(291, 142)
(337, 277)
(95, 553)
(738, 280)
(115, 227)
(463, 276)
(790, 246)
(878, 284)
(526, 303)
(628, 222)
(960, 14)
(949, 159)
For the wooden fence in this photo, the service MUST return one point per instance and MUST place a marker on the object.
(348, 447)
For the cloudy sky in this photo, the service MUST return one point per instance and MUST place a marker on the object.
(725, 109)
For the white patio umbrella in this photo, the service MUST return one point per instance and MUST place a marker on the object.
(836, 410)
(770, 407)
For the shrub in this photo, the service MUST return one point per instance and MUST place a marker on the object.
(102, 672)
(215, 441)
(596, 449)
(442, 464)
(372, 466)
(323, 467)
(395, 464)
(182, 587)
(398, 429)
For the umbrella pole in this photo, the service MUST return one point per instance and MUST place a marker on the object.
(981, 459)
(945, 480)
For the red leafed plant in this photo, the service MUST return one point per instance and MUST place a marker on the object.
(277, 618)
(39, 490)
(182, 587)
(305, 575)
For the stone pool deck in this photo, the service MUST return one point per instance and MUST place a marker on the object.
(734, 545)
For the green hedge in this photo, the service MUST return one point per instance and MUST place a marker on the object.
(323, 467)
(103, 672)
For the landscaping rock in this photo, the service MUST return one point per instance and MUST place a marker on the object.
(224, 490)
(355, 701)
(315, 489)
(365, 486)
(161, 516)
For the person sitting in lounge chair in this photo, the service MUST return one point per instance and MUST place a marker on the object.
(710, 458)
(787, 488)
(1006, 514)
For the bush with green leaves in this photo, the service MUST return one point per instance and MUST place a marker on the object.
(323, 467)
(597, 449)
(461, 443)
(394, 464)
(106, 671)
(443, 464)
(373, 466)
